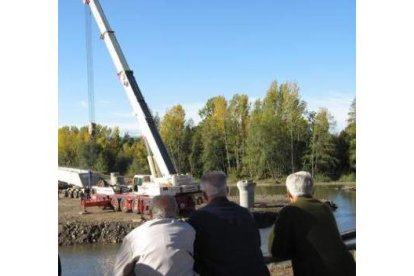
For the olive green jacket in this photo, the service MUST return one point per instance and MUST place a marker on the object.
(306, 232)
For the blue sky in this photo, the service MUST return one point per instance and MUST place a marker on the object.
(188, 51)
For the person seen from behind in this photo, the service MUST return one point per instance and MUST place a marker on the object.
(306, 232)
(227, 239)
(160, 246)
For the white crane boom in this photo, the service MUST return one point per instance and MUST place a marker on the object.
(125, 74)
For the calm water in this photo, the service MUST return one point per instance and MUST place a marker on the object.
(98, 259)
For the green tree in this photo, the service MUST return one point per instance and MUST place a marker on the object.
(271, 138)
(138, 156)
(351, 132)
(195, 158)
(255, 156)
(172, 131)
(67, 137)
(294, 110)
(215, 145)
(277, 132)
(237, 117)
(321, 155)
(342, 155)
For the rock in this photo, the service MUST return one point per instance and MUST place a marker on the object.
(73, 232)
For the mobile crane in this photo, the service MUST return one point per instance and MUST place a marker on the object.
(164, 178)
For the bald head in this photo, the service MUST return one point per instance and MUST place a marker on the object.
(164, 206)
(214, 184)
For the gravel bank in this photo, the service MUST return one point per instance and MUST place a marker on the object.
(75, 232)
(106, 226)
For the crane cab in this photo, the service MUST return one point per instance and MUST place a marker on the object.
(138, 180)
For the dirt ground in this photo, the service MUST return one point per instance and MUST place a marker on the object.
(70, 209)
(282, 269)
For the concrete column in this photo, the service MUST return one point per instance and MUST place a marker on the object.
(114, 178)
(246, 193)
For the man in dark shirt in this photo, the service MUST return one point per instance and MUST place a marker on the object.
(306, 232)
(227, 239)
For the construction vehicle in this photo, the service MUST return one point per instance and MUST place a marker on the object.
(75, 182)
(164, 178)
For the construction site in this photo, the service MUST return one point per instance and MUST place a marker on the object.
(113, 208)
(95, 208)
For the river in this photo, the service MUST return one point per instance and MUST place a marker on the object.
(98, 259)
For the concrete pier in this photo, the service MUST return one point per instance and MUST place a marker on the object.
(246, 193)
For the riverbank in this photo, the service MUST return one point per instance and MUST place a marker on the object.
(272, 182)
(76, 232)
(107, 226)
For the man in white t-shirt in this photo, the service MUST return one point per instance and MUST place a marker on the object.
(161, 246)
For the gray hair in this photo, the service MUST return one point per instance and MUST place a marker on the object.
(164, 206)
(214, 184)
(300, 184)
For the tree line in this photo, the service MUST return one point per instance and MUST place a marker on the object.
(268, 138)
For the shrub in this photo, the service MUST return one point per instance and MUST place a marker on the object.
(351, 177)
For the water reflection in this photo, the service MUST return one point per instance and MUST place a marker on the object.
(81, 260)
(345, 200)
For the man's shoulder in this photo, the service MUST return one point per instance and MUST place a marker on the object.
(185, 226)
(172, 223)
(198, 214)
(311, 204)
(307, 207)
(290, 210)
(137, 231)
(218, 210)
(201, 217)
(146, 227)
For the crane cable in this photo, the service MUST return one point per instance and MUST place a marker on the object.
(91, 101)
(89, 68)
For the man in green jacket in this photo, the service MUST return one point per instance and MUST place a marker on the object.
(306, 232)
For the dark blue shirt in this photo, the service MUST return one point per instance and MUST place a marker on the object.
(227, 240)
